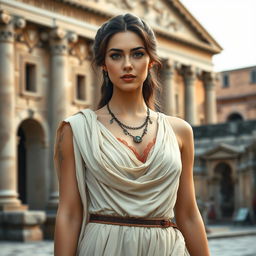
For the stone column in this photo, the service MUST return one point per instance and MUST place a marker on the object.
(8, 175)
(189, 76)
(16, 223)
(210, 99)
(169, 90)
(57, 112)
(57, 98)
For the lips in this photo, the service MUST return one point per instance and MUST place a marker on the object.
(128, 76)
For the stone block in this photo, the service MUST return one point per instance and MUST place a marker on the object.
(21, 225)
(24, 217)
(49, 226)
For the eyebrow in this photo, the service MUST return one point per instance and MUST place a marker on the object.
(132, 50)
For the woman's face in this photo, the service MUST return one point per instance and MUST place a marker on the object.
(126, 61)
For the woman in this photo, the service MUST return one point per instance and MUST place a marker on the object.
(125, 169)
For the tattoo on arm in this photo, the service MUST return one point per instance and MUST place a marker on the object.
(59, 148)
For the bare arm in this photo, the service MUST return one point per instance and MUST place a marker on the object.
(70, 210)
(187, 215)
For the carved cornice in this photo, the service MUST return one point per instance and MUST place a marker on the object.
(156, 13)
(79, 50)
(28, 34)
(93, 5)
(20, 23)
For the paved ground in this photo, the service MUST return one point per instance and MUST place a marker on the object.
(44, 248)
(224, 241)
(233, 246)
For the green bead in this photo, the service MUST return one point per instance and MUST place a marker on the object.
(137, 139)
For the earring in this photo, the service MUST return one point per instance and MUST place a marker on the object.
(149, 75)
(106, 78)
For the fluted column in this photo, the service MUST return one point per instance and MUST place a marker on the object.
(8, 174)
(57, 93)
(189, 76)
(210, 99)
(168, 92)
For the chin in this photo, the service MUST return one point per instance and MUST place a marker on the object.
(128, 87)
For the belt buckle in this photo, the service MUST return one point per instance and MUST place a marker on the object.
(165, 223)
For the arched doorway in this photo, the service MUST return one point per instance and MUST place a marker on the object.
(22, 184)
(31, 164)
(234, 117)
(225, 190)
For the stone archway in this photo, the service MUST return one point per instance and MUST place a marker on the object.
(31, 164)
(21, 163)
(234, 117)
(225, 190)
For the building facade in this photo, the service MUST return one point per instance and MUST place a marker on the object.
(225, 159)
(46, 75)
(236, 95)
(225, 168)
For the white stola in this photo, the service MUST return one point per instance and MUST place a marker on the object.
(112, 181)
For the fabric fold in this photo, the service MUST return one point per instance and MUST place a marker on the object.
(112, 181)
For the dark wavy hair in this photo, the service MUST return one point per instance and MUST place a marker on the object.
(122, 23)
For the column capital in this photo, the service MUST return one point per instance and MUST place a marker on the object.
(58, 33)
(168, 63)
(208, 76)
(189, 74)
(58, 41)
(5, 18)
(190, 70)
(178, 66)
(6, 27)
(209, 79)
(168, 68)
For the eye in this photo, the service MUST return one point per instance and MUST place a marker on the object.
(138, 55)
(115, 56)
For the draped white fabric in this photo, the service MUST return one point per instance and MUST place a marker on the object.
(112, 181)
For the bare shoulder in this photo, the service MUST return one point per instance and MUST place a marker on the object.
(181, 128)
(65, 137)
(66, 130)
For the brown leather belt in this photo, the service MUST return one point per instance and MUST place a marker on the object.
(131, 221)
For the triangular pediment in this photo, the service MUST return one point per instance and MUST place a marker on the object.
(222, 151)
(169, 18)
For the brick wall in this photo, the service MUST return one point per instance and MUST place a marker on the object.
(238, 97)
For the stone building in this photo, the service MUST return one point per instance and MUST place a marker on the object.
(225, 155)
(46, 75)
(225, 167)
(236, 94)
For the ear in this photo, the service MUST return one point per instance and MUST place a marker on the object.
(104, 68)
(151, 64)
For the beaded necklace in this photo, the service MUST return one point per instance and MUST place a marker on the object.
(125, 128)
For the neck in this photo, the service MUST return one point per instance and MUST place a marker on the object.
(127, 103)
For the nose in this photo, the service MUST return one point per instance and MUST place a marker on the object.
(127, 64)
